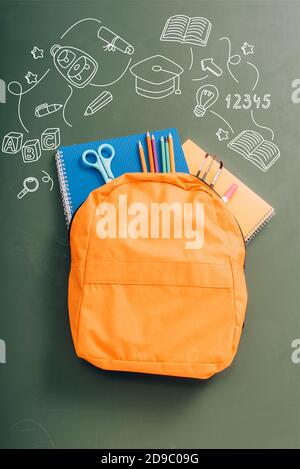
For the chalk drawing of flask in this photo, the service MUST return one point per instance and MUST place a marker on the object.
(76, 66)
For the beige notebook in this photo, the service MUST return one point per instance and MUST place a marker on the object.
(250, 210)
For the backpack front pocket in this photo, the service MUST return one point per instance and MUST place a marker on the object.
(155, 312)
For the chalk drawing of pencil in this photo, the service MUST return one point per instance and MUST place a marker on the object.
(98, 103)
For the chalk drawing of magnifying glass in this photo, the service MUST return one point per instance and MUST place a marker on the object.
(30, 184)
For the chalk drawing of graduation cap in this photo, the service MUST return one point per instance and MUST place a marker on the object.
(157, 77)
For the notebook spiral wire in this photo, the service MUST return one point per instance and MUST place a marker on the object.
(260, 226)
(64, 187)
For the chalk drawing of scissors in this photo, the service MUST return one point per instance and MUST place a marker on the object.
(101, 161)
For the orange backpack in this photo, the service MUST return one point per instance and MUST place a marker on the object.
(157, 277)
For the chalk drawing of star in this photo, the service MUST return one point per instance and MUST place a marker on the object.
(31, 78)
(37, 53)
(247, 48)
(222, 134)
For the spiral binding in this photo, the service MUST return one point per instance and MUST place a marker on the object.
(64, 186)
(259, 226)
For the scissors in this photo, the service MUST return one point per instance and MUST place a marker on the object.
(102, 162)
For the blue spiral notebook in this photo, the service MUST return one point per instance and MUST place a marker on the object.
(76, 181)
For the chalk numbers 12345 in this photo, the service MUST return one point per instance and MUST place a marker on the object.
(248, 101)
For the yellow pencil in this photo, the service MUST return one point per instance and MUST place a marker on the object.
(172, 158)
(150, 153)
(142, 157)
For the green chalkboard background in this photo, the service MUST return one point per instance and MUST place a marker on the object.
(49, 398)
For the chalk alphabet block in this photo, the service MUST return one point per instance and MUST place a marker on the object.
(50, 139)
(31, 151)
(12, 143)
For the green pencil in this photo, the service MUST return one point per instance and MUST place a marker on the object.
(167, 155)
(163, 155)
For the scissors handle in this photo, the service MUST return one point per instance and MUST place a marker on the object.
(101, 163)
(106, 160)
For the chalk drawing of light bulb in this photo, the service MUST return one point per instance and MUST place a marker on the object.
(206, 96)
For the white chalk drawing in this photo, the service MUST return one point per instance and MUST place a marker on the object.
(98, 103)
(192, 58)
(31, 78)
(157, 77)
(186, 30)
(130, 50)
(12, 143)
(37, 53)
(46, 109)
(76, 66)
(30, 184)
(232, 60)
(247, 101)
(31, 151)
(262, 126)
(50, 138)
(253, 147)
(222, 134)
(47, 178)
(65, 104)
(222, 118)
(247, 48)
(206, 97)
(102, 85)
(77, 23)
(210, 66)
(114, 42)
(200, 79)
(257, 75)
(20, 93)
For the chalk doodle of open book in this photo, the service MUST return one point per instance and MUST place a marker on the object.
(256, 149)
(182, 28)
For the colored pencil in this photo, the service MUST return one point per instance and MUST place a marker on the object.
(155, 157)
(167, 156)
(150, 154)
(163, 155)
(172, 159)
(142, 158)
